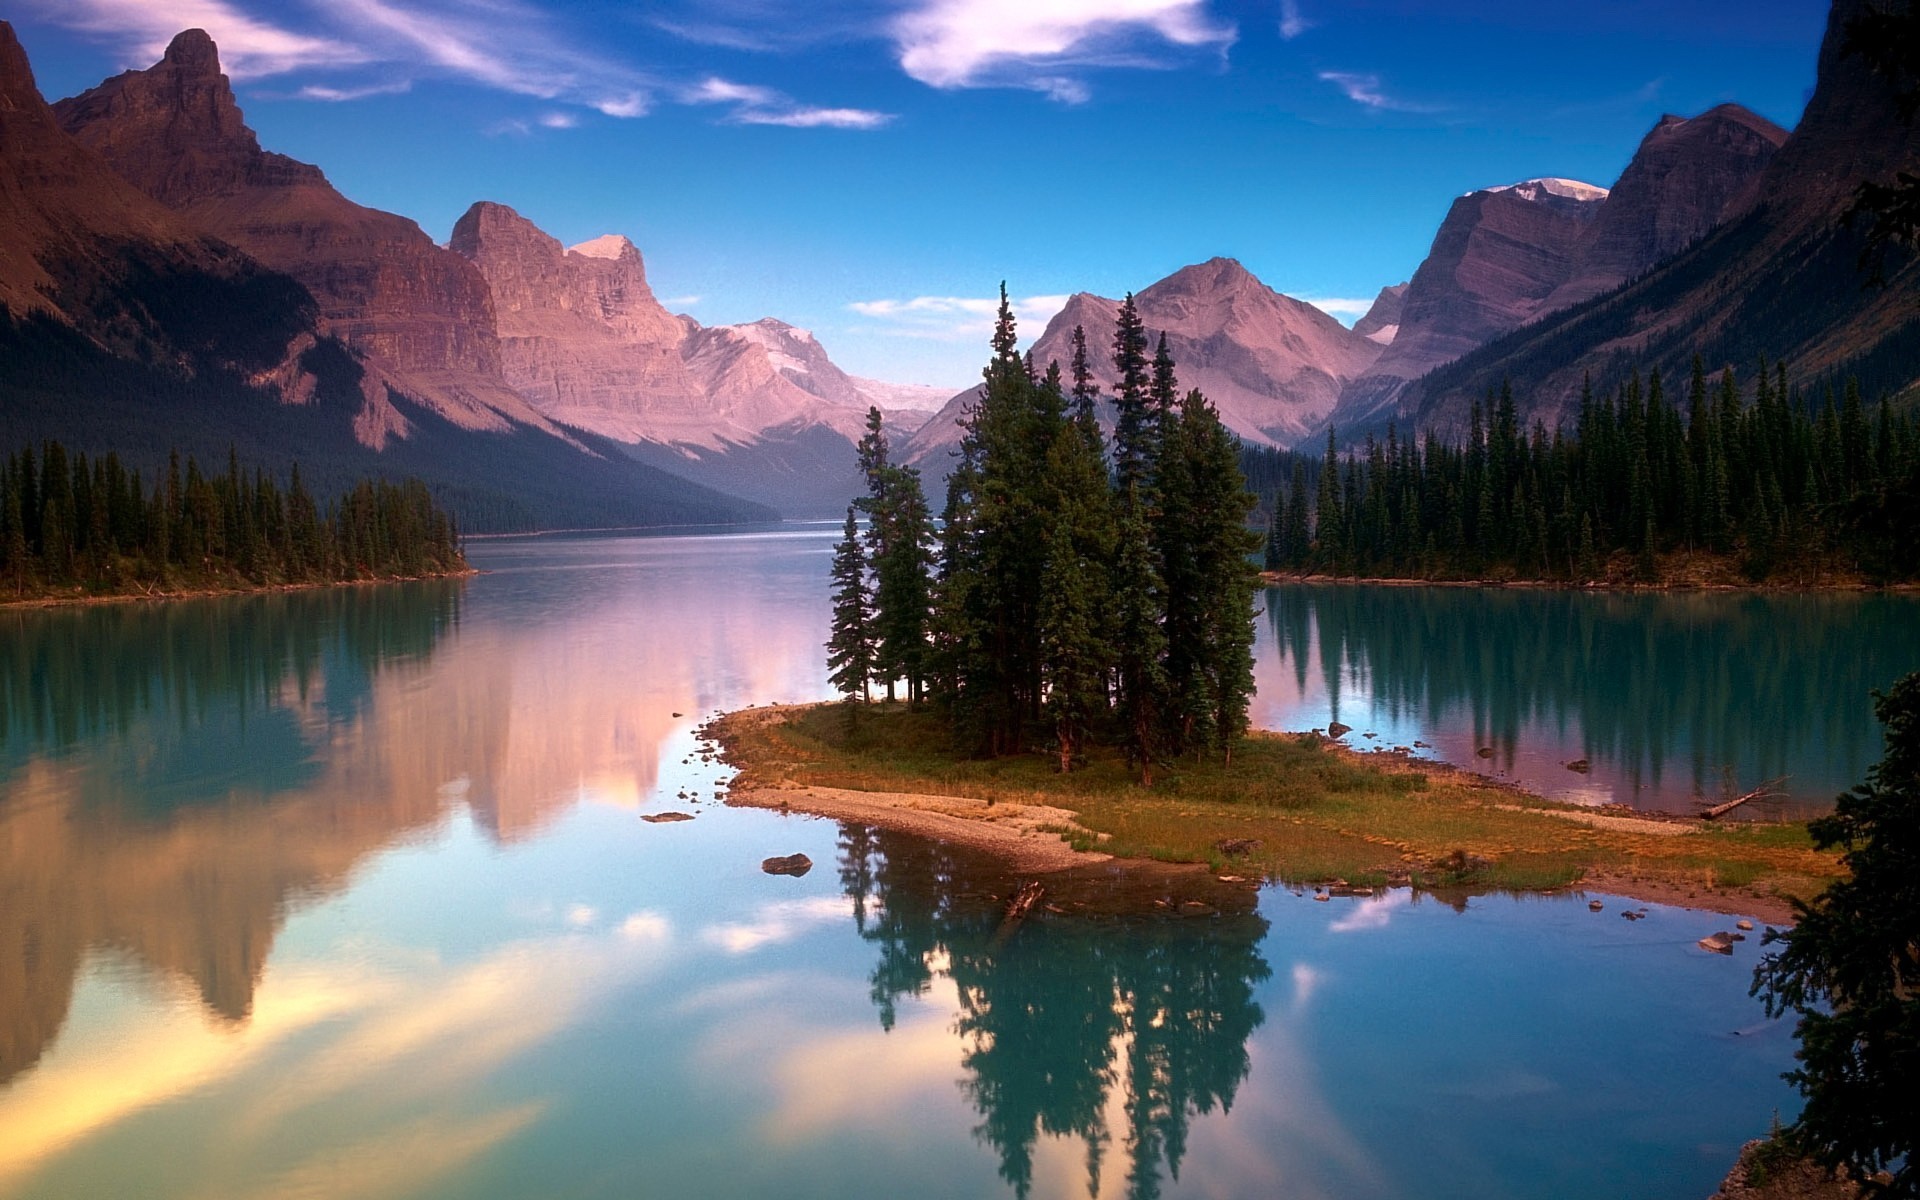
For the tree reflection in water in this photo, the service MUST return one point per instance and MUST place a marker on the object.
(1661, 692)
(1067, 1012)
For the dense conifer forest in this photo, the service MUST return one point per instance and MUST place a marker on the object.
(1766, 481)
(1072, 595)
(70, 525)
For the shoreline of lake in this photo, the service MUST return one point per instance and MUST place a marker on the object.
(1718, 867)
(1664, 587)
(33, 603)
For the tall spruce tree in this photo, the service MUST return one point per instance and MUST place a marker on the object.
(850, 645)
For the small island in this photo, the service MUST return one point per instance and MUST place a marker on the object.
(1075, 649)
(1297, 809)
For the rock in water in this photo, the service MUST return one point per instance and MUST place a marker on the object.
(1580, 766)
(1718, 943)
(666, 817)
(791, 864)
(1336, 730)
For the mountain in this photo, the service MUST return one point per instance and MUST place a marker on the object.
(759, 408)
(1498, 255)
(83, 250)
(1688, 176)
(1272, 365)
(418, 314)
(1783, 279)
(128, 324)
(1382, 322)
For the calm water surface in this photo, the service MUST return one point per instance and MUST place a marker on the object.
(347, 894)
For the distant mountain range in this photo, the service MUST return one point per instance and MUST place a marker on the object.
(532, 385)
(167, 281)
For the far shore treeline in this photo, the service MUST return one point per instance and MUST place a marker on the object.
(73, 526)
(1781, 486)
(1074, 594)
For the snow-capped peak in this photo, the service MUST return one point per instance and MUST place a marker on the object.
(1568, 189)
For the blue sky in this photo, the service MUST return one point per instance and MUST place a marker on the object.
(873, 170)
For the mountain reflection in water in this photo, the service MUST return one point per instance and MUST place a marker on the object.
(173, 775)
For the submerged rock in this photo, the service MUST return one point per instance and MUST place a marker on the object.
(1718, 943)
(1580, 765)
(791, 864)
(666, 817)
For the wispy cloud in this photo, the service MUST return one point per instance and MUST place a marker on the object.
(1366, 89)
(751, 104)
(316, 91)
(1024, 43)
(1340, 307)
(1292, 23)
(250, 47)
(955, 318)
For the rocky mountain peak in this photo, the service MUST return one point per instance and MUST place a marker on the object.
(17, 88)
(1216, 275)
(192, 53)
(1687, 176)
(175, 130)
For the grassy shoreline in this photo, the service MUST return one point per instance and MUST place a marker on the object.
(78, 597)
(1316, 813)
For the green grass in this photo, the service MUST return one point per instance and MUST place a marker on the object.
(1319, 812)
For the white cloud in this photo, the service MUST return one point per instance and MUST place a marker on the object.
(1025, 43)
(249, 47)
(1366, 89)
(956, 318)
(1374, 913)
(1292, 24)
(558, 120)
(682, 301)
(501, 44)
(1340, 307)
(755, 105)
(315, 91)
(778, 922)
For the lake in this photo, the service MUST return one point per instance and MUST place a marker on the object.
(348, 893)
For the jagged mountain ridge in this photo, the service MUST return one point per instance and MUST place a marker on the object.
(420, 315)
(128, 326)
(759, 408)
(1782, 280)
(1271, 365)
(1508, 257)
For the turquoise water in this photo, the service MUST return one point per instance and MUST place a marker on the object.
(347, 893)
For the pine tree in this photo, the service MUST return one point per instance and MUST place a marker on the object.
(850, 647)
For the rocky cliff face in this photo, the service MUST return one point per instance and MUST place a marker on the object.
(1497, 257)
(1688, 176)
(1783, 280)
(420, 314)
(583, 337)
(1272, 365)
(80, 245)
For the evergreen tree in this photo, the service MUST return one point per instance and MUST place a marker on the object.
(1850, 967)
(850, 647)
